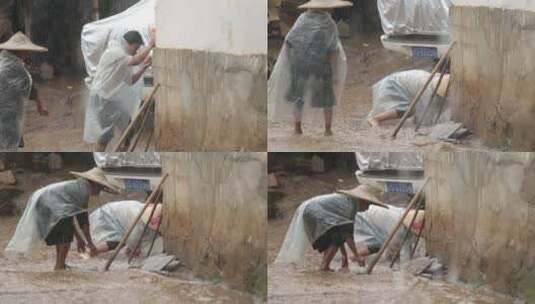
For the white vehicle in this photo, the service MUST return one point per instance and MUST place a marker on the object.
(415, 28)
(401, 172)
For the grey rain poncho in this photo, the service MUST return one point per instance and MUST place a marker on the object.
(405, 17)
(396, 91)
(110, 222)
(310, 71)
(311, 220)
(45, 208)
(373, 226)
(107, 108)
(15, 85)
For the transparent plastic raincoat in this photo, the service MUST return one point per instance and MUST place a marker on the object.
(15, 85)
(107, 108)
(310, 71)
(45, 208)
(110, 222)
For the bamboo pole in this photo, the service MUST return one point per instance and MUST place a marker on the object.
(433, 96)
(135, 120)
(145, 229)
(150, 199)
(421, 92)
(155, 237)
(396, 228)
(417, 239)
(407, 233)
(142, 128)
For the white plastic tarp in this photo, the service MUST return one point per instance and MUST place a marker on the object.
(130, 159)
(406, 17)
(99, 35)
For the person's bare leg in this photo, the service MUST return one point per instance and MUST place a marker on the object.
(376, 120)
(297, 112)
(100, 147)
(328, 257)
(62, 250)
(345, 261)
(328, 114)
(356, 257)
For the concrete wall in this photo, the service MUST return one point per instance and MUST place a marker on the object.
(493, 67)
(479, 218)
(215, 210)
(212, 64)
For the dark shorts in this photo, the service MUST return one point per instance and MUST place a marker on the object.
(400, 113)
(63, 231)
(112, 245)
(335, 236)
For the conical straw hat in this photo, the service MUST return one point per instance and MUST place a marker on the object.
(325, 4)
(366, 193)
(156, 217)
(19, 42)
(97, 175)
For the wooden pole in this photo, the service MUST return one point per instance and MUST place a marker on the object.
(145, 229)
(407, 233)
(135, 120)
(413, 251)
(413, 202)
(150, 199)
(433, 96)
(142, 127)
(421, 92)
(155, 236)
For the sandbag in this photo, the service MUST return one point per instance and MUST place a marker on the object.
(15, 85)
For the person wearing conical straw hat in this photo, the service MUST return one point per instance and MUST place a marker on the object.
(393, 94)
(327, 223)
(373, 226)
(16, 85)
(110, 222)
(50, 212)
(310, 72)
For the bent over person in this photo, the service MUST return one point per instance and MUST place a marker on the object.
(50, 213)
(327, 223)
(115, 68)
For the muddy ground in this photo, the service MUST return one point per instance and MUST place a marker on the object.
(308, 285)
(32, 281)
(368, 62)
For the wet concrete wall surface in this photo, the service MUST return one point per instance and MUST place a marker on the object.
(215, 209)
(210, 101)
(492, 71)
(480, 215)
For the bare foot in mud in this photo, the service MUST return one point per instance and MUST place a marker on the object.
(328, 133)
(62, 268)
(344, 269)
(326, 269)
(298, 132)
(373, 122)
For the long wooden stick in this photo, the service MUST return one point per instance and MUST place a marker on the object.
(135, 120)
(407, 233)
(142, 127)
(433, 96)
(129, 231)
(396, 228)
(145, 229)
(422, 90)
(413, 251)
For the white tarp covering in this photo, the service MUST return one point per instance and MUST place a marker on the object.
(131, 159)
(98, 36)
(406, 17)
(369, 161)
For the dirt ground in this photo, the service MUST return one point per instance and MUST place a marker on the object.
(32, 281)
(308, 285)
(368, 62)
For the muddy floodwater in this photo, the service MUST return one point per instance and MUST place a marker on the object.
(368, 62)
(32, 281)
(292, 284)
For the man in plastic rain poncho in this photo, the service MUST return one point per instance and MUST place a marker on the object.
(393, 94)
(310, 72)
(50, 214)
(16, 86)
(373, 227)
(110, 222)
(115, 69)
(327, 223)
